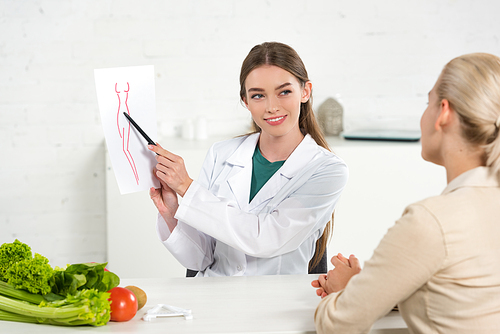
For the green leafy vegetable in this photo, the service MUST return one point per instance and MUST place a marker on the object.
(11, 253)
(84, 276)
(31, 291)
(86, 307)
(33, 275)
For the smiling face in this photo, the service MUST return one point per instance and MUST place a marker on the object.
(274, 97)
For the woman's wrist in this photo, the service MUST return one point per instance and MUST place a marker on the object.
(170, 221)
(185, 188)
(168, 212)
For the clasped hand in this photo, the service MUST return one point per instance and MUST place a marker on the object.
(337, 279)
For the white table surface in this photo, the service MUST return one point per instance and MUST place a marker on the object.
(258, 304)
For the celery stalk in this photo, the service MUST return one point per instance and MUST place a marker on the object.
(20, 307)
(87, 307)
(9, 290)
(73, 321)
(8, 316)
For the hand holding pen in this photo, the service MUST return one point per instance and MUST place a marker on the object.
(171, 170)
(173, 177)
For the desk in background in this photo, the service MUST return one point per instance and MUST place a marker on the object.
(257, 304)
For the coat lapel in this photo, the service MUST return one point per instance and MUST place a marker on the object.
(240, 177)
(269, 190)
(300, 157)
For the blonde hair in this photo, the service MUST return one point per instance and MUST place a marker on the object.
(471, 84)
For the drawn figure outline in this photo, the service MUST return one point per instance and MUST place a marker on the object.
(124, 128)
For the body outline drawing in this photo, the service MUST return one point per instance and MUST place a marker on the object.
(124, 129)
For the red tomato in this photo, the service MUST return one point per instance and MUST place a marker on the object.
(123, 304)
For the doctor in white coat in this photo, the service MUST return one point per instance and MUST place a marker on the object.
(262, 200)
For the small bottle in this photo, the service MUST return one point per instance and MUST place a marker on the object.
(188, 129)
(200, 132)
(330, 117)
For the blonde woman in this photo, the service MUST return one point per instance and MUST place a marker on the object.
(440, 261)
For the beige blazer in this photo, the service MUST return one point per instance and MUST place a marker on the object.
(440, 263)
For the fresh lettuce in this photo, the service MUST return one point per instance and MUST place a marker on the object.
(32, 291)
(84, 276)
(33, 275)
(11, 253)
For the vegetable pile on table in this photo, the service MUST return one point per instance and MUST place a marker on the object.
(34, 292)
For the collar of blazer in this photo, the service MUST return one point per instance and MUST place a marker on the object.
(476, 177)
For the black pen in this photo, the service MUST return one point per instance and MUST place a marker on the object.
(150, 142)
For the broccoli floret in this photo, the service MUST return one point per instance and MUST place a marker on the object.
(33, 275)
(11, 253)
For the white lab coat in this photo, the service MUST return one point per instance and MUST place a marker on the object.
(220, 233)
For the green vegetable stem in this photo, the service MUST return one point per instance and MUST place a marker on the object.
(10, 291)
(86, 307)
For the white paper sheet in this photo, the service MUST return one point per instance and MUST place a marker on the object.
(130, 90)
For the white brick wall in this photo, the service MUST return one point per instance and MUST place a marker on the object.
(381, 56)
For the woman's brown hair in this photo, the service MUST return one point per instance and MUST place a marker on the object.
(285, 57)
